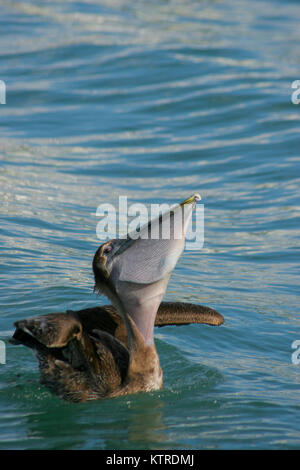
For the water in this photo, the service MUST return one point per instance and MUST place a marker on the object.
(155, 100)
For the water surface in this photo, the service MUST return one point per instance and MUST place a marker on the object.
(155, 100)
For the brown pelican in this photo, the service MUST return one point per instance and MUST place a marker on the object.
(109, 351)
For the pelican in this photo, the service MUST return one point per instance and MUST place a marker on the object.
(109, 351)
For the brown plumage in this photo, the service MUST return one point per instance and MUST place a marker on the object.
(84, 355)
(108, 351)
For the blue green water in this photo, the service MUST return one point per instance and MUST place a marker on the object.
(155, 100)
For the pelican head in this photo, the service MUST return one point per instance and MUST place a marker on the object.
(134, 272)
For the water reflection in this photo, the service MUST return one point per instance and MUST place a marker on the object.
(136, 421)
